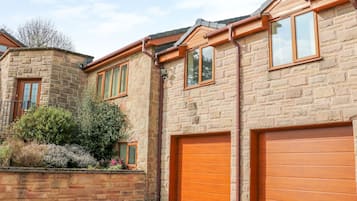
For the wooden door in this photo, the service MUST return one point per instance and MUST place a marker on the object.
(27, 95)
(202, 168)
(308, 164)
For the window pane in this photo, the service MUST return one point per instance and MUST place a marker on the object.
(107, 84)
(122, 152)
(3, 48)
(192, 67)
(305, 35)
(281, 42)
(115, 86)
(132, 155)
(34, 94)
(99, 85)
(207, 63)
(124, 71)
(26, 98)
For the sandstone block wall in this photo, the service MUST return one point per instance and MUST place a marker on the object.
(141, 107)
(25, 184)
(316, 92)
(67, 80)
(200, 110)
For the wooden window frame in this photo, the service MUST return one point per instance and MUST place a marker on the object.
(102, 73)
(200, 82)
(129, 144)
(295, 60)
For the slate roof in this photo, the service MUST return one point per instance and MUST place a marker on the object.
(3, 31)
(262, 7)
(168, 33)
(216, 25)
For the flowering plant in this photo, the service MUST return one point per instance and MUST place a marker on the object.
(116, 164)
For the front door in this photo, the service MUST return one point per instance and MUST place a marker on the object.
(27, 95)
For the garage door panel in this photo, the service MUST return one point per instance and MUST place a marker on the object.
(329, 159)
(209, 168)
(194, 196)
(202, 159)
(308, 184)
(308, 146)
(290, 195)
(307, 164)
(197, 149)
(203, 187)
(312, 134)
(213, 149)
(203, 168)
(341, 172)
(208, 177)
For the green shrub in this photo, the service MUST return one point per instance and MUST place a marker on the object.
(5, 155)
(46, 125)
(101, 126)
(6, 133)
(69, 156)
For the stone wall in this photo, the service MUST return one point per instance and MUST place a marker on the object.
(316, 92)
(200, 110)
(141, 107)
(37, 184)
(67, 80)
(62, 80)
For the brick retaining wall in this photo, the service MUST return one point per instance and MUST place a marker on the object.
(67, 185)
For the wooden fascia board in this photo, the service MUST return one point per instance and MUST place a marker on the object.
(127, 53)
(354, 3)
(172, 55)
(326, 4)
(11, 40)
(164, 40)
(193, 33)
(240, 31)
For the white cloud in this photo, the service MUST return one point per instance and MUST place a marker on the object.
(217, 10)
(98, 27)
(157, 11)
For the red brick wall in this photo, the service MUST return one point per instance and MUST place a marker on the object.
(39, 184)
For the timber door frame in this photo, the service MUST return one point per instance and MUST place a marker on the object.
(18, 111)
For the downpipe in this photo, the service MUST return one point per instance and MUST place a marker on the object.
(238, 110)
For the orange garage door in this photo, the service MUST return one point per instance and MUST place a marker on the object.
(307, 165)
(203, 168)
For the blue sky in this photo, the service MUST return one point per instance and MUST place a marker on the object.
(98, 27)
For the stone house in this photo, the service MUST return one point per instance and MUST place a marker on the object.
(130, 79)
(40, 76)
(264, 108)
(259, 107)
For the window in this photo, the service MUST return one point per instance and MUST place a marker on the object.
(293, 40)
(112, 83)
(128, 153)
(27, 95)
(3, 48)
(199, 66)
